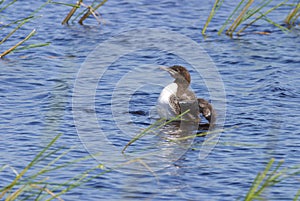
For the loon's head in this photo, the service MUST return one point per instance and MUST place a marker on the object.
(180, 73)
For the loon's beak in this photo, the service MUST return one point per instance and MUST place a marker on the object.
(164, 68)
(169, 70)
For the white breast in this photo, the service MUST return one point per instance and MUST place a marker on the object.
(164, 108)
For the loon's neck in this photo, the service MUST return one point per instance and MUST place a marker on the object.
(182, 86)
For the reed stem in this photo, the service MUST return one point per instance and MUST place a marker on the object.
(13, 31)
(261, 16)
(239, 19)
(293, 15)
(7, 5)
(230, 18)
(18, 44)
(145, 131)
(216, 5)
(19, 176)
(71, 13)
(90, 11)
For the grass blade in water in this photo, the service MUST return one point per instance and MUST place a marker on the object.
(18, 44)
(9, 4)
(14, 182)
(13, 31)
(32, 46)
(239, 19)
(261, 16)
(145, 131)
(215, 7)
(293, 15)
(230, 17)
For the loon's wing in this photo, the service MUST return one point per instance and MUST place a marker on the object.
(174, 103)
(207, 110)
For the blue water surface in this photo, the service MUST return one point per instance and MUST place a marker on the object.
(260, 74)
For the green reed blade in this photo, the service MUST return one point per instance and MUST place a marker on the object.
(257, 181)
(256, 9)
(72, 162)
(68, 184)
(40, 193)
(261, 16)
(239, 19)
(276, 24)
(215, 7)
(253, 188)
(13, 31)
(17, 193)
(145, 131)
(296, 198)
(66, 4)
(230, 17)
(41, 7)
(32, 46)
(16, 22)
(14, 182)
(271, 179)
(292, 16)
(9, 4)
(72, 183)
(18, 44)
(141, 134)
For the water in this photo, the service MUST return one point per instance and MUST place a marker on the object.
(259, 73)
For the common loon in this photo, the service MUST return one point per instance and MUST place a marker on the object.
(176, 97)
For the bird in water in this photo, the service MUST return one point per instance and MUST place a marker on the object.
(176, 97)
(206, 109)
